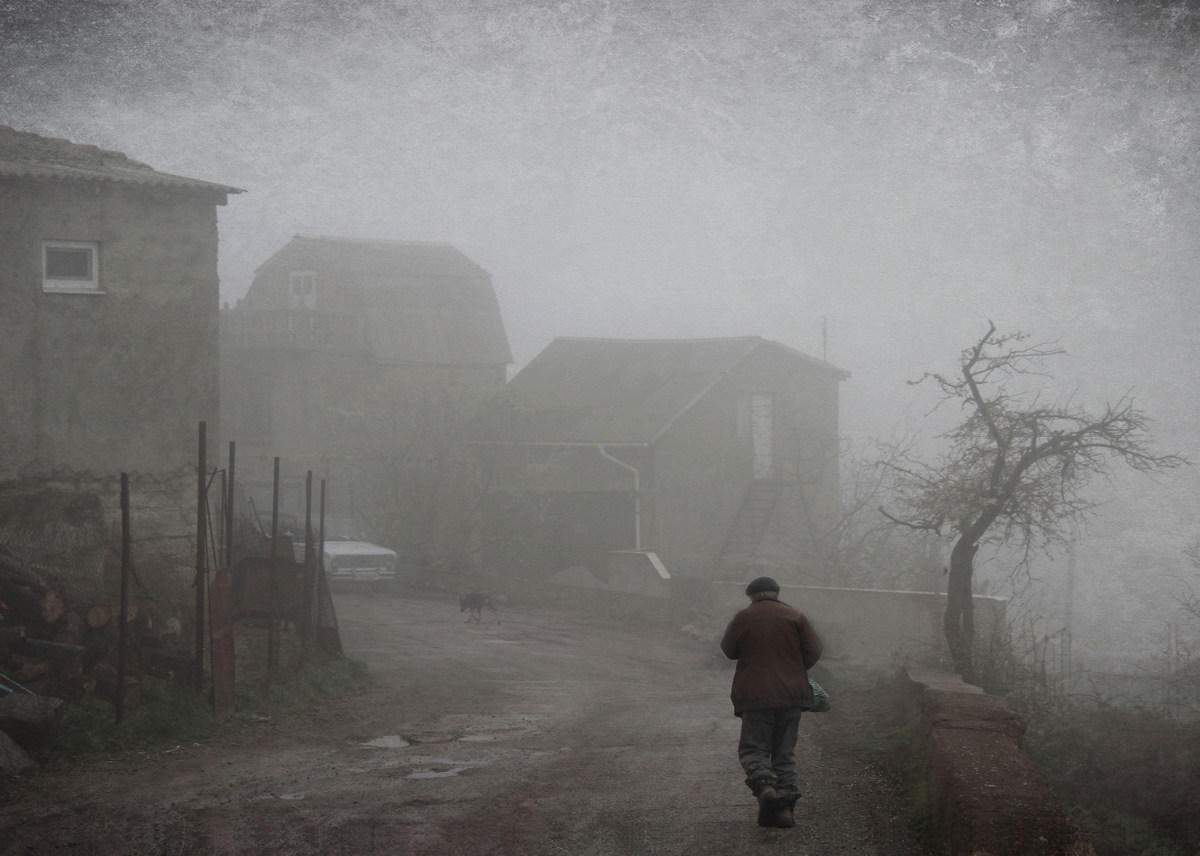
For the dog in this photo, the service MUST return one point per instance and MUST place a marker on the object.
(477, 603)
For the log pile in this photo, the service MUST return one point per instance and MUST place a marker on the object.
(53, 647)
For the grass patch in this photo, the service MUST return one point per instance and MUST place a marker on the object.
(1126, 775)
(171, 714)
(168, 715)
(302, 685)
(294, 684)
(899, 740)
(899, 757)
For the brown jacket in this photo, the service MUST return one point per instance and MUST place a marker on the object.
(775, 646)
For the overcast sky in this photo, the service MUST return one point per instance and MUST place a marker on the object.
(896, 173)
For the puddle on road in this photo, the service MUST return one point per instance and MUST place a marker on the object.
(435, 774)
(388, 741)
(453, 728)
(443, 768)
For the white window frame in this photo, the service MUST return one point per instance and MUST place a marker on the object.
(72, 285)
(306, 297)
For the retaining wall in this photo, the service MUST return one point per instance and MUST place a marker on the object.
(986, 796)
(873, 626)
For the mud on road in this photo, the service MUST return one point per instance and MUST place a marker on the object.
(551, 733)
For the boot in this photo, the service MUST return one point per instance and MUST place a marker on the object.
(764, 789)
(784, 815)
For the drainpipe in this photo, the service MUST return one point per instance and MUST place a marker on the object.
(637, 496)
(602, 448)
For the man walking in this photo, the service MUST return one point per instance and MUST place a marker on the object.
(774, 646)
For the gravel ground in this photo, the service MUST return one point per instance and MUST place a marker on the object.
(551, 733)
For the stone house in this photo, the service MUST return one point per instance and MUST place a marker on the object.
(361, 361)
(108, 342)
(108, 277)
(718, 455)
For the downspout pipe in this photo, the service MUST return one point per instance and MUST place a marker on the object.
(603, 448)
(637, 495)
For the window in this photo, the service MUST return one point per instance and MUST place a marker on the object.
(70, 266)
(302, 290)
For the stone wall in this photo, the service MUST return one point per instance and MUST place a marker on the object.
(116, 379)
(69, 530)
(986, 796)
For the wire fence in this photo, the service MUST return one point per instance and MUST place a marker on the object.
(1047, 669)
(67, 530)
(104, 582)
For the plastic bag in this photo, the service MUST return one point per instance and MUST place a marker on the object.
(821, 700)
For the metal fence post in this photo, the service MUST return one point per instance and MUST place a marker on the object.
(201, 555)
(273, 601)
(123, 611)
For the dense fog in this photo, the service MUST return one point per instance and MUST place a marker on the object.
(870, 182)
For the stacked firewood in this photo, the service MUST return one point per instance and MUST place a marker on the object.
(51, 646)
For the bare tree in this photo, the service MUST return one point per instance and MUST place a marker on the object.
(862, 549)
(1190, 599)
(1015, 470)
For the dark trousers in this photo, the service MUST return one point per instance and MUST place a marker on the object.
(767, 748)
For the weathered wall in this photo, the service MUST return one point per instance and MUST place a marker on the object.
(692, 478)
(705, 464)
(986, 795)
(873, 626)
(115, 380)
(806, 448)
(372, 386)
(701, 471)
(535, 535)
(551, 507)
(550, 468)
(69, 530)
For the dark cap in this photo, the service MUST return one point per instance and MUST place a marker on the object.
(761, 585)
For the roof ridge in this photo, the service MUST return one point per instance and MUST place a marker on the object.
(658, 340)
(80, 148)
(387, 241)
(24, 154)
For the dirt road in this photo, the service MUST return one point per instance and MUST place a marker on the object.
(552, 733)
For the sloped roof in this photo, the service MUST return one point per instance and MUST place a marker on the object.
(423, 302)
(378, 258)
(25, 155)
(624, 390)
(459, 324)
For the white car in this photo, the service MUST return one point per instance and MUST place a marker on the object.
(359, 561)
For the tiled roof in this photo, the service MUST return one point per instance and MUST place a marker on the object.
(624, 390)
(25, 155)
